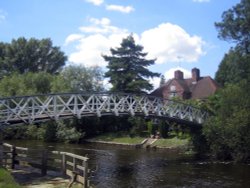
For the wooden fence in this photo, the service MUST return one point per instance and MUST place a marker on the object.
(69, 164)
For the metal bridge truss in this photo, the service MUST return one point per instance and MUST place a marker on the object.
(32, 109)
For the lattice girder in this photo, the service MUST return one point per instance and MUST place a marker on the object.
(31, 109)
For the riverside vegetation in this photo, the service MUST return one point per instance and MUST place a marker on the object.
(6, 180)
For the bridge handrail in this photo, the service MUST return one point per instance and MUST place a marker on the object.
(99, 93)
(20, 108)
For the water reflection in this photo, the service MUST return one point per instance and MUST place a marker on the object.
(129, 168)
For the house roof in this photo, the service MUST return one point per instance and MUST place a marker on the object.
(204, 87)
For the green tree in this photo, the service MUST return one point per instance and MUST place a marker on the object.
(235, 25)
(79, 79)
(128, 68)
(26, 84)
(31, 55)
(230, 70)
(228, 132)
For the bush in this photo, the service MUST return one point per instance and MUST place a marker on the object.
(228, 133)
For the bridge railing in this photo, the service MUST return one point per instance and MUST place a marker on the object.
(69, 164)
(29, 109)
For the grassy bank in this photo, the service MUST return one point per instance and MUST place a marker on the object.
(6, 180)
(118, 138)
(123, 138)
(171, 142)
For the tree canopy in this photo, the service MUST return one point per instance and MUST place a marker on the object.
(79, 79)
(235, 25)
(227, 132)
(128, 68)
(33, 55)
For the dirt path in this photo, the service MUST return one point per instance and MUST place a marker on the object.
(31, 178)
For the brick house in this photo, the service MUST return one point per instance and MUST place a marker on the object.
(197, 87)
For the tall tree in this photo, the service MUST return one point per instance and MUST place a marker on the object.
(128, 68)
(232, 68)
(31, 55)
(235, 27)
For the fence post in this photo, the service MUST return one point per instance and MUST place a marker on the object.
(1, 147)
(44, 162)
(63, 164)
(13, 156)
(86, 174)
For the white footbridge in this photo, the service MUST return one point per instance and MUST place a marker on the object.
(39, 108)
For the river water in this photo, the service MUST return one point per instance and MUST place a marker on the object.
(119, 167)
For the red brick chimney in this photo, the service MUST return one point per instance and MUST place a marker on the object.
(195, 74)
(178, 75)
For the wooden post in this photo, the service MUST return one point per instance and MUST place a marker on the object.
(86, 174)
(63, 164)
(74, 164)
(1, 148)
(13, 156)
(44, 162)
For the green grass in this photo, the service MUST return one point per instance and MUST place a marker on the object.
(6, 180)
(171, 142)
(119, 138)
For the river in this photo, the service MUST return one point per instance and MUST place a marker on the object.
(119, 167)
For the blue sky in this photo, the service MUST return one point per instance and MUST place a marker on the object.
(179, 33)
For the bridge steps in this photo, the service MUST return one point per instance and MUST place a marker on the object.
(149, 142)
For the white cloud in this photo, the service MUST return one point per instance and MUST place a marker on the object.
(201, 1)
(171, 43)
(102, 25)
(167, 43)
(170, 73)
(95, 2)
(155, 81)
(119, 8)
(97, 39)
(2, 15)
(72, 38)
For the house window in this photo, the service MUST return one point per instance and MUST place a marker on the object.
(172, 88)
(172, 91)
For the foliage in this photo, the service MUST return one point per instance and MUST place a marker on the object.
(235, 25)
(127, 68)
(31, 55)
(35, 132)
(79, 79)
(234, 67)
(6, 180)
(50, 131)
(17, 132)
(164, 128)
(228, 132)
(138, 126)
(67, 132)
(26, 84)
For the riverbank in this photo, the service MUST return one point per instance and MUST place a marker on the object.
(141, 142)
